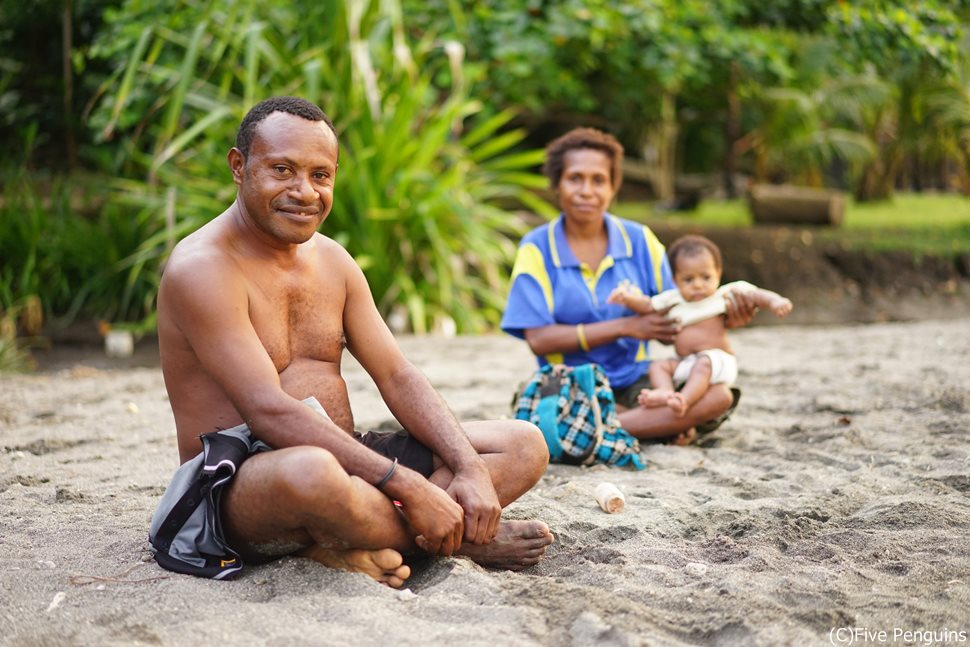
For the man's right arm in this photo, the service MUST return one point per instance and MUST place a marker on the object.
(210, 306)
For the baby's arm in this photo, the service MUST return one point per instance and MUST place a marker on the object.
(623, 296)
(772, 301)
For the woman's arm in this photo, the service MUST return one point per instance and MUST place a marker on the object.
(563, 338)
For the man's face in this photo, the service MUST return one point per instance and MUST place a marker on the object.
(286, 182)
(697, 275)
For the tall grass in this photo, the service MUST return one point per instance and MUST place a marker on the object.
(422, 169)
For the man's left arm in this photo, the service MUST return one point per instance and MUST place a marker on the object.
(420, 409)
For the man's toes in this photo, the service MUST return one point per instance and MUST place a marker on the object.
(394, 582)
(388, 559)
(538, 530)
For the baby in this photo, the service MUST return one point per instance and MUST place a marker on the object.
(704, 355)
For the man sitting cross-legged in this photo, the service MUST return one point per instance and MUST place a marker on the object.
(254, 312)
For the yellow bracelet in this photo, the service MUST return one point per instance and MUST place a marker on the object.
(581, 336)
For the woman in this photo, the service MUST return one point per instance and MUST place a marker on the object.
(565, 270)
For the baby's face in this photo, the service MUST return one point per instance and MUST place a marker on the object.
(697, 276)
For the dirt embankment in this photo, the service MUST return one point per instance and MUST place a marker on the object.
(830, 284)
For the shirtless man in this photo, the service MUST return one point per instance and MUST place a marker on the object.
(254, 312)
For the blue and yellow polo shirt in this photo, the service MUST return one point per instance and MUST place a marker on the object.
(551, 286)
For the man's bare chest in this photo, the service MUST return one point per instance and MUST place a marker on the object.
(298, 322)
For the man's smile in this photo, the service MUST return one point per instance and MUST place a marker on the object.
(300, 213)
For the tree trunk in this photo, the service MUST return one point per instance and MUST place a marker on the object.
(732, 132)
(660, 149)
(786, 204)
(67, 45)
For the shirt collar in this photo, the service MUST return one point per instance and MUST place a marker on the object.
(617, 246)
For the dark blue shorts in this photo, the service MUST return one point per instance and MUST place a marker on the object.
(401, 445)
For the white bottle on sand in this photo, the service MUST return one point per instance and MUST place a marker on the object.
(609, 497)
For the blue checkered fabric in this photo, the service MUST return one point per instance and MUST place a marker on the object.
(569, 422)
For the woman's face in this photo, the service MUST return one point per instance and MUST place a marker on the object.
(585, 189)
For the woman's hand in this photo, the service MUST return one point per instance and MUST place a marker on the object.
(740, 308)
(654, 325)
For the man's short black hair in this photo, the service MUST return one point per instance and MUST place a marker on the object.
(290, 105)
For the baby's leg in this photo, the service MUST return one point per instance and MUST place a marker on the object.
(677, 403)
(694, 388)
(662, 380)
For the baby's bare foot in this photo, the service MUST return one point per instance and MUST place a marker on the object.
(652, 398)
(518, 545)
(385, 565)
(677, 404)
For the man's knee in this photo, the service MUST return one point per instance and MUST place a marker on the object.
(529, 444)
(307, 472)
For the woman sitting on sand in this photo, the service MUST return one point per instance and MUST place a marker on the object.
(565, 271)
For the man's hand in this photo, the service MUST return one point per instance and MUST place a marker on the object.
(435, 518)
(475, 493)
(654, 325)
(740, 308)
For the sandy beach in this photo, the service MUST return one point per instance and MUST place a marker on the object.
(835, 502)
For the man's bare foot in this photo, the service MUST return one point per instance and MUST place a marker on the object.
(385, 565)
(518, 545)
(677, 404)
(653, 398)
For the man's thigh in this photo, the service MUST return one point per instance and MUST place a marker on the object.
(499, 436)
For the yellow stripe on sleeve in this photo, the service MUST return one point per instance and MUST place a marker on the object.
(529, 261)
(656, 249)
(626, 238)
(553, 250)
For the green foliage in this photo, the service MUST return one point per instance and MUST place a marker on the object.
(680, 82)
(61, 242)
(422, 167)
(816, 119)
(39, 98)
(898, 38)
(871, 94)
(603, 63)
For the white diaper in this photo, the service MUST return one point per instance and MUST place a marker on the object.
(724, 367)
